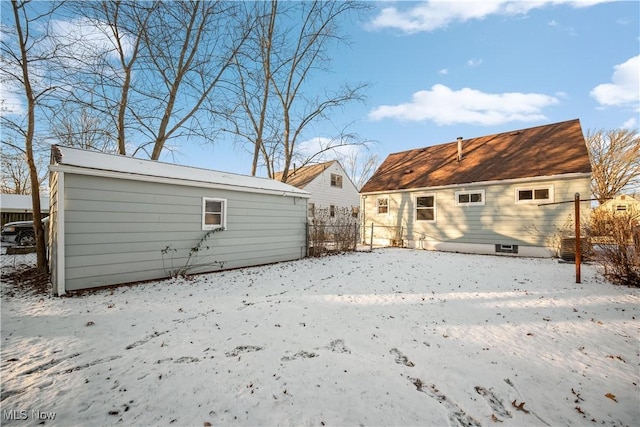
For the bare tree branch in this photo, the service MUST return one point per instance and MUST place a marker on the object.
(615, 161)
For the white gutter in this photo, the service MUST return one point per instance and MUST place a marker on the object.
(176, 181)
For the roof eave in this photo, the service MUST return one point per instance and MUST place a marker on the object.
(177, 181)
(576, 175)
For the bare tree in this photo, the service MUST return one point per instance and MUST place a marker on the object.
(359, 165)
(15, 176)
(106, 52)
(190, 46)
(14, 173)
(150, 71)
(23, 61)
(79, 127)
(275, 104)
(252, 68)
(615, 161)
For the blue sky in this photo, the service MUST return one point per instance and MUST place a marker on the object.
(439, 70)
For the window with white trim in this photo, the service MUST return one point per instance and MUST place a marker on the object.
(336, 180)
(426, 208)
(214, 213)
(382, 204)
(534, 194)
(470, 198)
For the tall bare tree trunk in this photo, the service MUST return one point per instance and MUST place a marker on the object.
(38, 229)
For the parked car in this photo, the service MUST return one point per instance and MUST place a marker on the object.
(21, 233)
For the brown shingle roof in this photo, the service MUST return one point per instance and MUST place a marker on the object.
(300, 177)
(547, 150)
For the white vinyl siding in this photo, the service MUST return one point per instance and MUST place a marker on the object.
(498, 221)
(324, 193)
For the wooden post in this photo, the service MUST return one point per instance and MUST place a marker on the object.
(576, 202)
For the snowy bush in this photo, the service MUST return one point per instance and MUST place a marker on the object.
(617, 246)
(332, 230)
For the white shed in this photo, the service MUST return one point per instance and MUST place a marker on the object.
(117, 219)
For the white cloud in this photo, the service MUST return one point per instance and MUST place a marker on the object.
(432, 15)
(84, 38)
(632, 123)
(315, 145)
(624, 89)
(10, 102)
(445, 106)
(443, 72)
(474, 62)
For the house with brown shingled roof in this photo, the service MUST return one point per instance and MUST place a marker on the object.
(329, 185)
(501, 193)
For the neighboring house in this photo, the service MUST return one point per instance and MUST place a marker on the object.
(117, 219)
(329, 185)
(621, 203)
(19, 207)
(502, 193)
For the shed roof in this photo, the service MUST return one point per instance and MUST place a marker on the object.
(300, 177)
(547, 150)
(89, 161)
(21, 203)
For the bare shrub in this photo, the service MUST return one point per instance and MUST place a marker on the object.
(557, 241)
(616, 237)
(332, 231)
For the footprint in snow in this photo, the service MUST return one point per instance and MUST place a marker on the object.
(400, 358)
(493, 401)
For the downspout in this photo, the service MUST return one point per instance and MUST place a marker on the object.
(364, 220)
(59, 223)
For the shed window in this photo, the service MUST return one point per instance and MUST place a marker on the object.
(621, 207)
(467, 198)
(214, 213)
(534, 194)
(383, 205)
(426, 208)
(336, 180)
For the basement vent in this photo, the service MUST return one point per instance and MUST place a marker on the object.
(506, 249)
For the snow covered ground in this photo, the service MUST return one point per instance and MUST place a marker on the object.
(391, 337)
